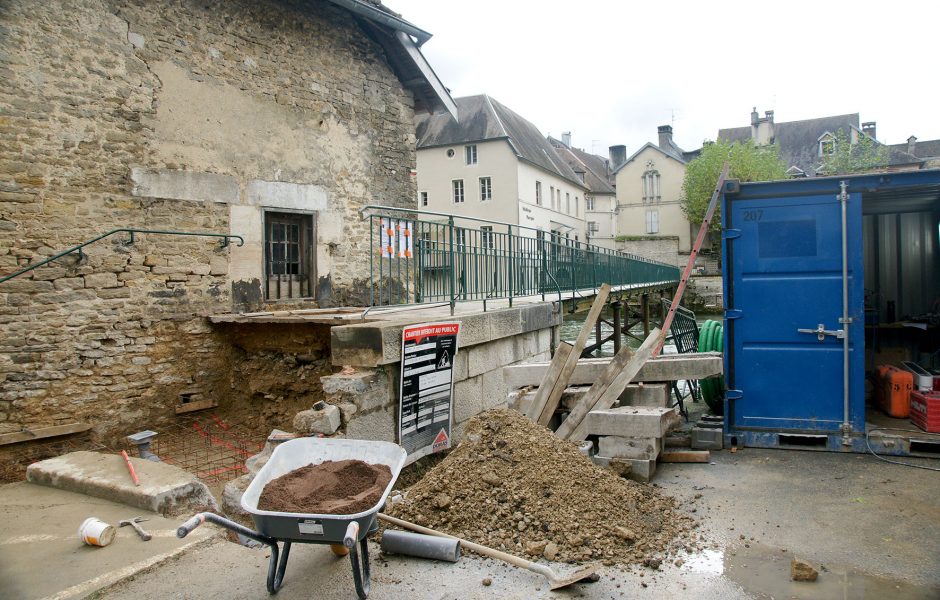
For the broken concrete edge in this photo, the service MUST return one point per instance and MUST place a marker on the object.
(379, 343)
(102, 584)
(164, 489)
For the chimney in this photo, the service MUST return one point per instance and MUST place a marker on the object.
(769, 115)
(869, 129)
(618, 155)
(762, 129)
(566, 138)
(754, 116)
(912, 145)
(665, 136)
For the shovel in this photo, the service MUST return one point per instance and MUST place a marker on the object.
(555, 581)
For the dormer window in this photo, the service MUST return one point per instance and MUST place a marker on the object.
(827, 144)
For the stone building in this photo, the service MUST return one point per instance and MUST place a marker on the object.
(273, 121)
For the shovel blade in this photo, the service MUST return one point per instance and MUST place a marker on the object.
(581, 574)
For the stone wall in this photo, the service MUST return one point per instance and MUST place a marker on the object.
(366, 390)
(704, 294)
(192, 116)
(663, 249)
(368, 397)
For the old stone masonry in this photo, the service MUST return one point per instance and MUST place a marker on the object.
(211, 116)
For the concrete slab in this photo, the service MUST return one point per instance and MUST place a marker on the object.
(645, 394)
(641, 470)
(41, 555)
(163, 488)
(630, 447)
(668, 367)
(632, 421)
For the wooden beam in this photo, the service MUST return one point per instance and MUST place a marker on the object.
(667, 367)
(610, 386)
(685, 456)
(30, 435)
(550, 391)
(547, 380)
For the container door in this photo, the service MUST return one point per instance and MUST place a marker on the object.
(784, 274)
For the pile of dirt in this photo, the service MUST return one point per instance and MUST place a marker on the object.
(341, 487)
(512, 485)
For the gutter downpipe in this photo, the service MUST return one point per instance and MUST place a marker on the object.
(846, 320)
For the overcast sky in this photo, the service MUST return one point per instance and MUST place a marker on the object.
(612, 71)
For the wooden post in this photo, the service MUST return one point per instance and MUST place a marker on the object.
(598, 336)
(615, 316)
(645, 311)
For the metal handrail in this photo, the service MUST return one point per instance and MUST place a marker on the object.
(225, 240)
(451, 216)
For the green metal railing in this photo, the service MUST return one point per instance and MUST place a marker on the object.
(225, 237)
(455, 258)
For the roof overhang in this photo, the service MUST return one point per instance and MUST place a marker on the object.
(401, 40)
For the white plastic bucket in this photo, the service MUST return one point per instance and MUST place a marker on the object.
(96, 532)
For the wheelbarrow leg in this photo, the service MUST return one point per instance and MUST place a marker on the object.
(277, 567)
(360, 568)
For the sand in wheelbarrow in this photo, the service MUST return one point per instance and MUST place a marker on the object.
(512, 485)
(341, 487)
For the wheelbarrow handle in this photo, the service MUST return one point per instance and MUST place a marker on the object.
(352, 534)
(188, 527)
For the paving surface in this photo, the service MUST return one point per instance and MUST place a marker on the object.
(41, 555)
(872, 528)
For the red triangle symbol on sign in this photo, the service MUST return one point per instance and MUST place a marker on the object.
(441, 438)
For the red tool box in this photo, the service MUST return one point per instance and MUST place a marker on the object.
(925, 410)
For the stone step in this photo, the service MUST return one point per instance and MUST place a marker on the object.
(632, 421)
(163, 488)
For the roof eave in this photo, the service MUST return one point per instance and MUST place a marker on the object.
(375, 14)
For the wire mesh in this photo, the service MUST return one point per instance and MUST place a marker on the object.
(15, 459)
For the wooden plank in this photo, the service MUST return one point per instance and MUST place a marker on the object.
(189, 407)
(43, 432)
(685, 456)
(578, 411)
(668, 367)
(562, 352)
(553, 395)
(609, 388)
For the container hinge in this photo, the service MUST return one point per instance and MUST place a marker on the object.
(733, 313)
(730, 234)
(733, 394)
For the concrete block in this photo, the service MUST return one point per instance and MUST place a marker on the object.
(641, 470)
(468, 398)
(494, 389)
(367, 389)
(646, 394)
(325, 420)
(490, 356)
(184, 185)
(632, 421)
(163, 488)
(293, 196)
(461, 365)
(706, 438)
(630, 447)
(381, 425)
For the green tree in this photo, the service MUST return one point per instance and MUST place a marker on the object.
(748, 163)
(845, 157)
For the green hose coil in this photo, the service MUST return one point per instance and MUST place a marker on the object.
(711, 339)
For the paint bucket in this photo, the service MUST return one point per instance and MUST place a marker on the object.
(96, 532)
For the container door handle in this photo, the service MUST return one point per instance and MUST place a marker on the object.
(821, 332)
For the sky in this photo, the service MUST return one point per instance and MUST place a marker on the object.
(610, 71)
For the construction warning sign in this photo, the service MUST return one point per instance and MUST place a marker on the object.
(427, 382)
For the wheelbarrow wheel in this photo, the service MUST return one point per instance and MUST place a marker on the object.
(339, 550)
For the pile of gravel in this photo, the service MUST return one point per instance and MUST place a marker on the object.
(512, 485)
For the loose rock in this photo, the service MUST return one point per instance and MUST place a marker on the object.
(801, 570)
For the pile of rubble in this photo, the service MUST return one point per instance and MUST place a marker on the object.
(512, 485)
